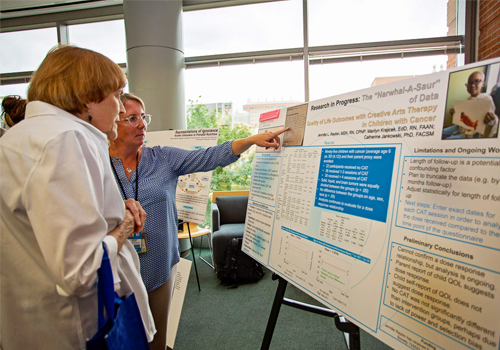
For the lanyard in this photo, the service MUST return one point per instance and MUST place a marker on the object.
(138, 240)
(136, 177)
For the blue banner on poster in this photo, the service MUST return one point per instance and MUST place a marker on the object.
(356, 181)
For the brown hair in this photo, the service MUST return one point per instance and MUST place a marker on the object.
(128, 96)
(70, 77)
(14, 108)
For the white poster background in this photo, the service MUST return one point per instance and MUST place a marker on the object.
(383, 220)
(192, 189)
(181, 282)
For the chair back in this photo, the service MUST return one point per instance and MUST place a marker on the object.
(232, 209)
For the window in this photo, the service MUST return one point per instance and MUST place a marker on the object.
(361, 21)
(257, 27)
(266, 26)
(24, 50)
(14, 89)
(107, 38)
(241, 84)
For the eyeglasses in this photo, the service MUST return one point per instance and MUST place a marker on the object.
(475, 82)
(134, 119)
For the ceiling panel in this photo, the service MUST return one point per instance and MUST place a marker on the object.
(17, 8)
(59, 5)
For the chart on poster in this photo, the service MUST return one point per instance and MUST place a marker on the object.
(387, 208)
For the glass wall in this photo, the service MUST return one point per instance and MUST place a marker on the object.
(260, 27)
(242, 84)
(279, 25)
(257, 27)
(23, 51)
(106, 37)
(361, 21)
(14, 89)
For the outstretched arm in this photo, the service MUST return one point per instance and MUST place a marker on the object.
(266, 139)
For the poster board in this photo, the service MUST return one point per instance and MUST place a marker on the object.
(180, 287)
(387, 214)
(192, 189)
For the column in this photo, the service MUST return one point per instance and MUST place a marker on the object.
(155, 59)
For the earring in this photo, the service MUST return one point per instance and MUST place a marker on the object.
(90, 118)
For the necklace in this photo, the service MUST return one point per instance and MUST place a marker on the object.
(129, 170)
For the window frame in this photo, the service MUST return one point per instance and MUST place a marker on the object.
(329, 54)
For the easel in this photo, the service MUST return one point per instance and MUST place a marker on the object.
(350, 330)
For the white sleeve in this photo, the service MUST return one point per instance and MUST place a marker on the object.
(64, 198)
(493, 124)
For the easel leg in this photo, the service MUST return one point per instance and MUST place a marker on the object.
(350, 330)
(273, 317)
(351, 333)
(194, 257)
(354, 341)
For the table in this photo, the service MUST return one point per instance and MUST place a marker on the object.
(192, 231)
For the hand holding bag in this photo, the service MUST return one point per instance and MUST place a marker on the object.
(123, 330)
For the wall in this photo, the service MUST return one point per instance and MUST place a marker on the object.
(489, 29)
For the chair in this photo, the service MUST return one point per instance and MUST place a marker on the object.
(189, 231)
(229, 210)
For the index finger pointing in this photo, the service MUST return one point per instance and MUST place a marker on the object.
(279, 132)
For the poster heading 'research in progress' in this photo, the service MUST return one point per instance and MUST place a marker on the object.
(419, 87)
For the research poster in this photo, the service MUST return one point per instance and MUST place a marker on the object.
(192, 189)
(389, 210)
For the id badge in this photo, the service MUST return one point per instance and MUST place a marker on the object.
(140, 242)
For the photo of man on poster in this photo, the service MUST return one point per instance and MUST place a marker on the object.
(473, 116)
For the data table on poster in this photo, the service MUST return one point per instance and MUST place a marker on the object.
(297, 185)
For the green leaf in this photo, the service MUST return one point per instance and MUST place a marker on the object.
(236, 176)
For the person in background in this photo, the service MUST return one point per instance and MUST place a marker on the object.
(13, 109)
(149, 175)
(59, 204)
(475, 84)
